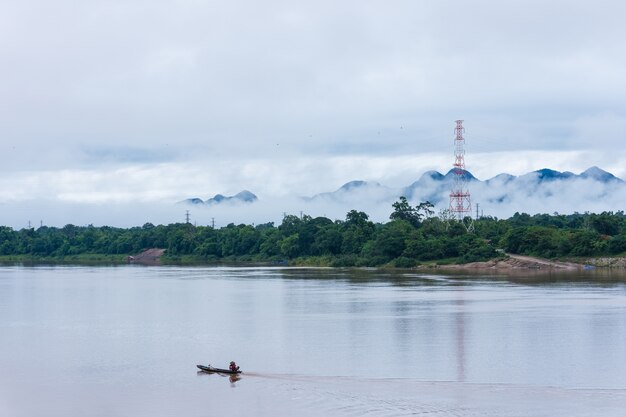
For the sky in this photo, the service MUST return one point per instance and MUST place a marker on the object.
(111, 112)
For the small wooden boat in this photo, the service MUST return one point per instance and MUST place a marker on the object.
(217, 370)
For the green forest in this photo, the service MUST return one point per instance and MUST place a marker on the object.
(412, 236)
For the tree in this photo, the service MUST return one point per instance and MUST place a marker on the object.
(269, 242)
(290, 225)
(327, 240)
(402, 210)
(356, 218)
(356, 232)
(391, 240)
(289, 246)
(605, 223)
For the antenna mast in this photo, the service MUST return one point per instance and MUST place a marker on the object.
(460, 201)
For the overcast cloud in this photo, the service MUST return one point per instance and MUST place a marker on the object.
(152, 102)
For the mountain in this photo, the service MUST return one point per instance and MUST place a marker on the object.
(433, 186)
(547, 175)
(356, 184)
(193, 201)
(598, 174)
(541, 191)
(433, 175)
(467, 176)
(354, 191)
(503, 188)
(501, 179)
(244, 196)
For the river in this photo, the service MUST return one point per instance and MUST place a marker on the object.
(125, 341)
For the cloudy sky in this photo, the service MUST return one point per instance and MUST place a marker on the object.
(104, 104)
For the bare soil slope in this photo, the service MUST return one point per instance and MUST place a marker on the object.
(517, 262)
(148, 257)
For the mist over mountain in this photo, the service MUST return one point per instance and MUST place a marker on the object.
(541, 191)
(541, 188)
(244, 196)
(355, 191)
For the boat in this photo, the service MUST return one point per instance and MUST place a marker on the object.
(217, 370)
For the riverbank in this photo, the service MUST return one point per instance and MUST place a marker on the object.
(82, 259)
(607, 262)
(519, 262)
(157, 256)
(148, 257)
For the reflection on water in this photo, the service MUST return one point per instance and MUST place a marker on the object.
(231, 378)
(312, 341)
(460, 339)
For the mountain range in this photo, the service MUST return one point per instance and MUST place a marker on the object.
(540, 190)
(434, 186)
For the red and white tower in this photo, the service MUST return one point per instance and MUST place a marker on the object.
(460, 202)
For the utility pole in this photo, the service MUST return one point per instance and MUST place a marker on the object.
(212, 222)
(477, 210)
(187, 217)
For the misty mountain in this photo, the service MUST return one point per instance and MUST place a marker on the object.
(244, 196)
(435, 187)
(429, 186)
(541, 191)
(599, 175)
(432, 185)
(354, 191)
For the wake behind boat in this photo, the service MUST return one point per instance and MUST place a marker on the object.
(211, 369)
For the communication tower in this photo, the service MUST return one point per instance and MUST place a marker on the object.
(460, 201)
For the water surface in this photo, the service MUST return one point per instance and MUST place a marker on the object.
(124, 341)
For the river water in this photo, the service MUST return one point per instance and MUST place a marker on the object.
(125, 341)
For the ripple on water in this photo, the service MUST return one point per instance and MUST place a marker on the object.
(334, 396)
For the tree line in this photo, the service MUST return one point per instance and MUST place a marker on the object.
(413, 235)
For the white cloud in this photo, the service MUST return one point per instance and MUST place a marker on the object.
(133, 196)
(112, 102)
(500, 200)
(271, 178)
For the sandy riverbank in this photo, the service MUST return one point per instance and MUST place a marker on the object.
(510, 263)
(148, 257)
(518, 262)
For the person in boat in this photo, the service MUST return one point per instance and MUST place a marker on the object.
(233, 366)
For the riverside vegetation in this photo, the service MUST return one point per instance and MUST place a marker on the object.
(413, 236)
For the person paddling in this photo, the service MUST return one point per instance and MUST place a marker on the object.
(233, 366)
